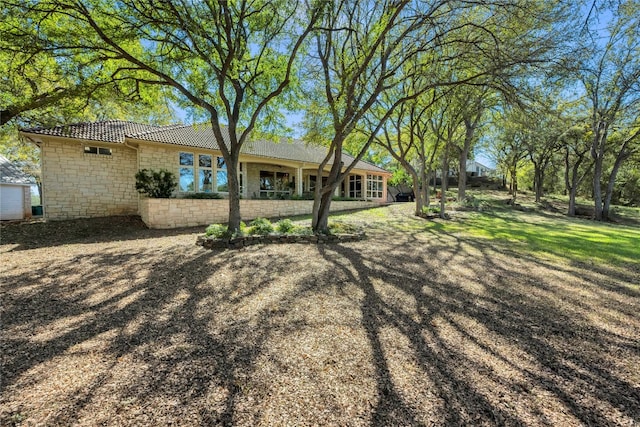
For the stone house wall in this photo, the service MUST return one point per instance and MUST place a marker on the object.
(78, 184)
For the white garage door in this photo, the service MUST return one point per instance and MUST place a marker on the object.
(11, 206)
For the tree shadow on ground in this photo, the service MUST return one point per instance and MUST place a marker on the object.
(177, 334)
(459, 331)
(25, 236)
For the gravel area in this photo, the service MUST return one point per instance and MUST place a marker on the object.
(107, 323)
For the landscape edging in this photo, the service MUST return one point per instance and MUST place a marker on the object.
(242, 241)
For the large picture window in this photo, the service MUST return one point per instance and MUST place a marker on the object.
(275, 183)
(205, 173)
(374, 186)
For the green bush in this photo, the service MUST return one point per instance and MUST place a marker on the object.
(342, 228)
(203, 196)
(284, 226)
(217, 231)
(158, 184)
(260, 226)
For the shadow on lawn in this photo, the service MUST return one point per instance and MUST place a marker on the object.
(498, 345)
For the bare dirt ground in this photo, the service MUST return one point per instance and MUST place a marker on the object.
(107, 323)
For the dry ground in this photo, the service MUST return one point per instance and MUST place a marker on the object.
(112, 324)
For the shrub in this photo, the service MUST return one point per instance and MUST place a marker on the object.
(285, 226)
(260, 226)
(158, 184)
(216, 230)
(342, 228)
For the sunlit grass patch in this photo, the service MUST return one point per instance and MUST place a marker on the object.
(576, 239)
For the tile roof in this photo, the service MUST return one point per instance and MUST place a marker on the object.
(11, 174)
(195, 136)
(201, 136)
(104, 131)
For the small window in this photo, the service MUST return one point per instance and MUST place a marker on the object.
(97, 150)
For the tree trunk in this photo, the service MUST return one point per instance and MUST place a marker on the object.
(417, 192)
(324, 194)
(612, 180)
(444, 183)
(320, 222)
(572, 201)
(538, 178)
(597, 190)
(462, 178)
(234, 194)
(424, 187)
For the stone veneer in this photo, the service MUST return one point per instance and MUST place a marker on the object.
(78, 184)
(174, 213)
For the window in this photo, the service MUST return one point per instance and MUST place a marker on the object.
(355, 186)
(187, 175)
(374, 186)
(312, 182)
(97, 150)
(206, 175)
(275, 183)
(221, 176)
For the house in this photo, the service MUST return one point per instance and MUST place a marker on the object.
(473, 169)
(478, 169)
(15, 192)
(88, 170)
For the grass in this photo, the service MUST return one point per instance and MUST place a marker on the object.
(535, 233)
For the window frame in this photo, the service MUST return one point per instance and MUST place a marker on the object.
(197, 168)
(375, 185)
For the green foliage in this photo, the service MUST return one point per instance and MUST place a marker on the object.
(338, 227)
(260, 226)
(156, 183)
(285, 226)
(217, 231)
(203, 196)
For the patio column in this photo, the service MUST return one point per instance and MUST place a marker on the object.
(299, 181)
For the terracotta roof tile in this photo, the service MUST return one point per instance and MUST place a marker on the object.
(105, 131)
(195, 136)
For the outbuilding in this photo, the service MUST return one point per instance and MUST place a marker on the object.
(15, 192)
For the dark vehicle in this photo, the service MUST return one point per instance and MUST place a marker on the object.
(405, 197)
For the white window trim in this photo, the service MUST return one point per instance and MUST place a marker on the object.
(214, 172)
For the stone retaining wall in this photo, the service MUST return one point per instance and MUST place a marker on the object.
(174, 213)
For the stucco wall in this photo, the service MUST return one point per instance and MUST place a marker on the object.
(174, 213)
(77, 185)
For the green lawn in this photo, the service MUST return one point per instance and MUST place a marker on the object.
(532, 232)
(536, 233)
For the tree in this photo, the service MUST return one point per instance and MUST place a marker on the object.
(42, 86)
(577, 146)
(230, 61)
(367, 48)
(610, 74)
(406, 137)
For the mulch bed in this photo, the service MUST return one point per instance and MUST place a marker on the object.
(107, 323)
